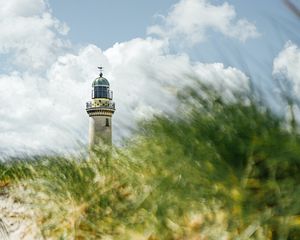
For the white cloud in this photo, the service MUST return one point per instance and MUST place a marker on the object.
(30, 34)
(286, 69)
(48, 113)
(24, 8)
(190, 20)
(225, 81)
(145, 79)
(47, 110)
(286, 72)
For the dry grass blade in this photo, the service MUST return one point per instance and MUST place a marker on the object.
(3, 231)
(292, 7)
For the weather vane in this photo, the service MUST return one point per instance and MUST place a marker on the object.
(101, 71)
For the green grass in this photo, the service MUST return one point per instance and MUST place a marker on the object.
(217, 170)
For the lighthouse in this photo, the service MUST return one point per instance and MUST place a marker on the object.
(100, 110)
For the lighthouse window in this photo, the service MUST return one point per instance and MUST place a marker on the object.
(101, 92)
(107, 122)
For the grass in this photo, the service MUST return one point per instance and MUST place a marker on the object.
(217, 170)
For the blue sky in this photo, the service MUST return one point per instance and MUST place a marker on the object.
(50, 50)
(106, 22)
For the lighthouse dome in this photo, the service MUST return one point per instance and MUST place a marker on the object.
(100, 81)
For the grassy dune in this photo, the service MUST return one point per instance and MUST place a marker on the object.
(218, 170)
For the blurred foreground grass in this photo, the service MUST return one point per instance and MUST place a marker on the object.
(218, 170)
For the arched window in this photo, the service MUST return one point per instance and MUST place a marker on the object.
(107, 122)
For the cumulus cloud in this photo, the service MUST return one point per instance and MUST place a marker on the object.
(191, 19)
(48, 113)
(286, 73)
(30, 34)
(286, 70)
(25, 8)
(145, 79)
(43, 107)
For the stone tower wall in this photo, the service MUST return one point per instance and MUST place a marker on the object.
(100, 130)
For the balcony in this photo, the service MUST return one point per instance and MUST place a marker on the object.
(104, 105)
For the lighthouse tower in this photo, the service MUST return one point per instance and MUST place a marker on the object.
(100, 111)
